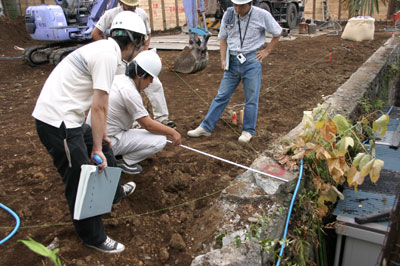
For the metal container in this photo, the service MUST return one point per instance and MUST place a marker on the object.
(312, 28)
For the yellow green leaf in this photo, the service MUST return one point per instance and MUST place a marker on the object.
(341, 123)
(364, 170)
(328, 130)
(42, 250)
(335, 170)
(343, 164)
(310, 146)
(308, 120)
(364, 160)
(358, 179)
(376, 170)
(328, 194)
(380, 125)
(365, 121)
(299, 142)
(341, 196)
(319, 125)
(358, 158)
(321, 153)
(299, 154)
(350, 175)
(344, 144)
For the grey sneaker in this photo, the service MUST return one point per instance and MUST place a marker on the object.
(109, 246)
(129, 188)
(132, 169)
(169, 123)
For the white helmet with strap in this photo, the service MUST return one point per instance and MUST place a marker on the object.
(149, 61)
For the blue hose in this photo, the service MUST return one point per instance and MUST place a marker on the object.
(390, 110)
(16, 226)
(10, 58)
(290, 213)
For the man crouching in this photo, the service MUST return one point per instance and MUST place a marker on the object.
(126, 106)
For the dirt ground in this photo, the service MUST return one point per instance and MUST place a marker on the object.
(159, 223)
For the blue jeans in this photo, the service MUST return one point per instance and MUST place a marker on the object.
(250, 73)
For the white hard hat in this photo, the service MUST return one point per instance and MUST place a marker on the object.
(149, 61)
(241, 2)
(130, 21)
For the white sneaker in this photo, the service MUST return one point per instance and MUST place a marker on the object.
(245, 137)
(198, 132)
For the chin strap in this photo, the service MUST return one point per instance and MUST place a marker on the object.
(137, 43)
(140, 77)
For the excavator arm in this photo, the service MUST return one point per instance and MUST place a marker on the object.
(194, 57)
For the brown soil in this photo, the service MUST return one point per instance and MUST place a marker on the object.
(172, 193)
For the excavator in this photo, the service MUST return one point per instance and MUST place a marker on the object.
(194, 57)
(66, 25)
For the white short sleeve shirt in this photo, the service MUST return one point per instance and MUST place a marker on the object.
(107, 18)
(68, 92)
(125, 105)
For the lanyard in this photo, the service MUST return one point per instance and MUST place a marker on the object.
(245, 31)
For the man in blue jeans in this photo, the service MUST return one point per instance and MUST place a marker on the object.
(242, 31)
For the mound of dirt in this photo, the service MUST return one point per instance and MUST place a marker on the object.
(13, 33)
(163, 222)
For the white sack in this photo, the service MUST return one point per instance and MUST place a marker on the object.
(359, 29)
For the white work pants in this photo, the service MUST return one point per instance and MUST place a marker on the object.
(135, 145)
(155, 93)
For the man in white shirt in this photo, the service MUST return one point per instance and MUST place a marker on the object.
(155, 91)
(126, 106)
(79, 82)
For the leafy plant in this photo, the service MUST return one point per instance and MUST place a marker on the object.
(256, 231)
(334, 153)
(42, 250)
(218, 240)
(364, 7)
(369, 107)
(238, 241)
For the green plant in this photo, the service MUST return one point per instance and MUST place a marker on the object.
(364, 7)
(238, 241)
(218, 239)
(257, 230)
(369, 107)
(42, 250)
(391, 72)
